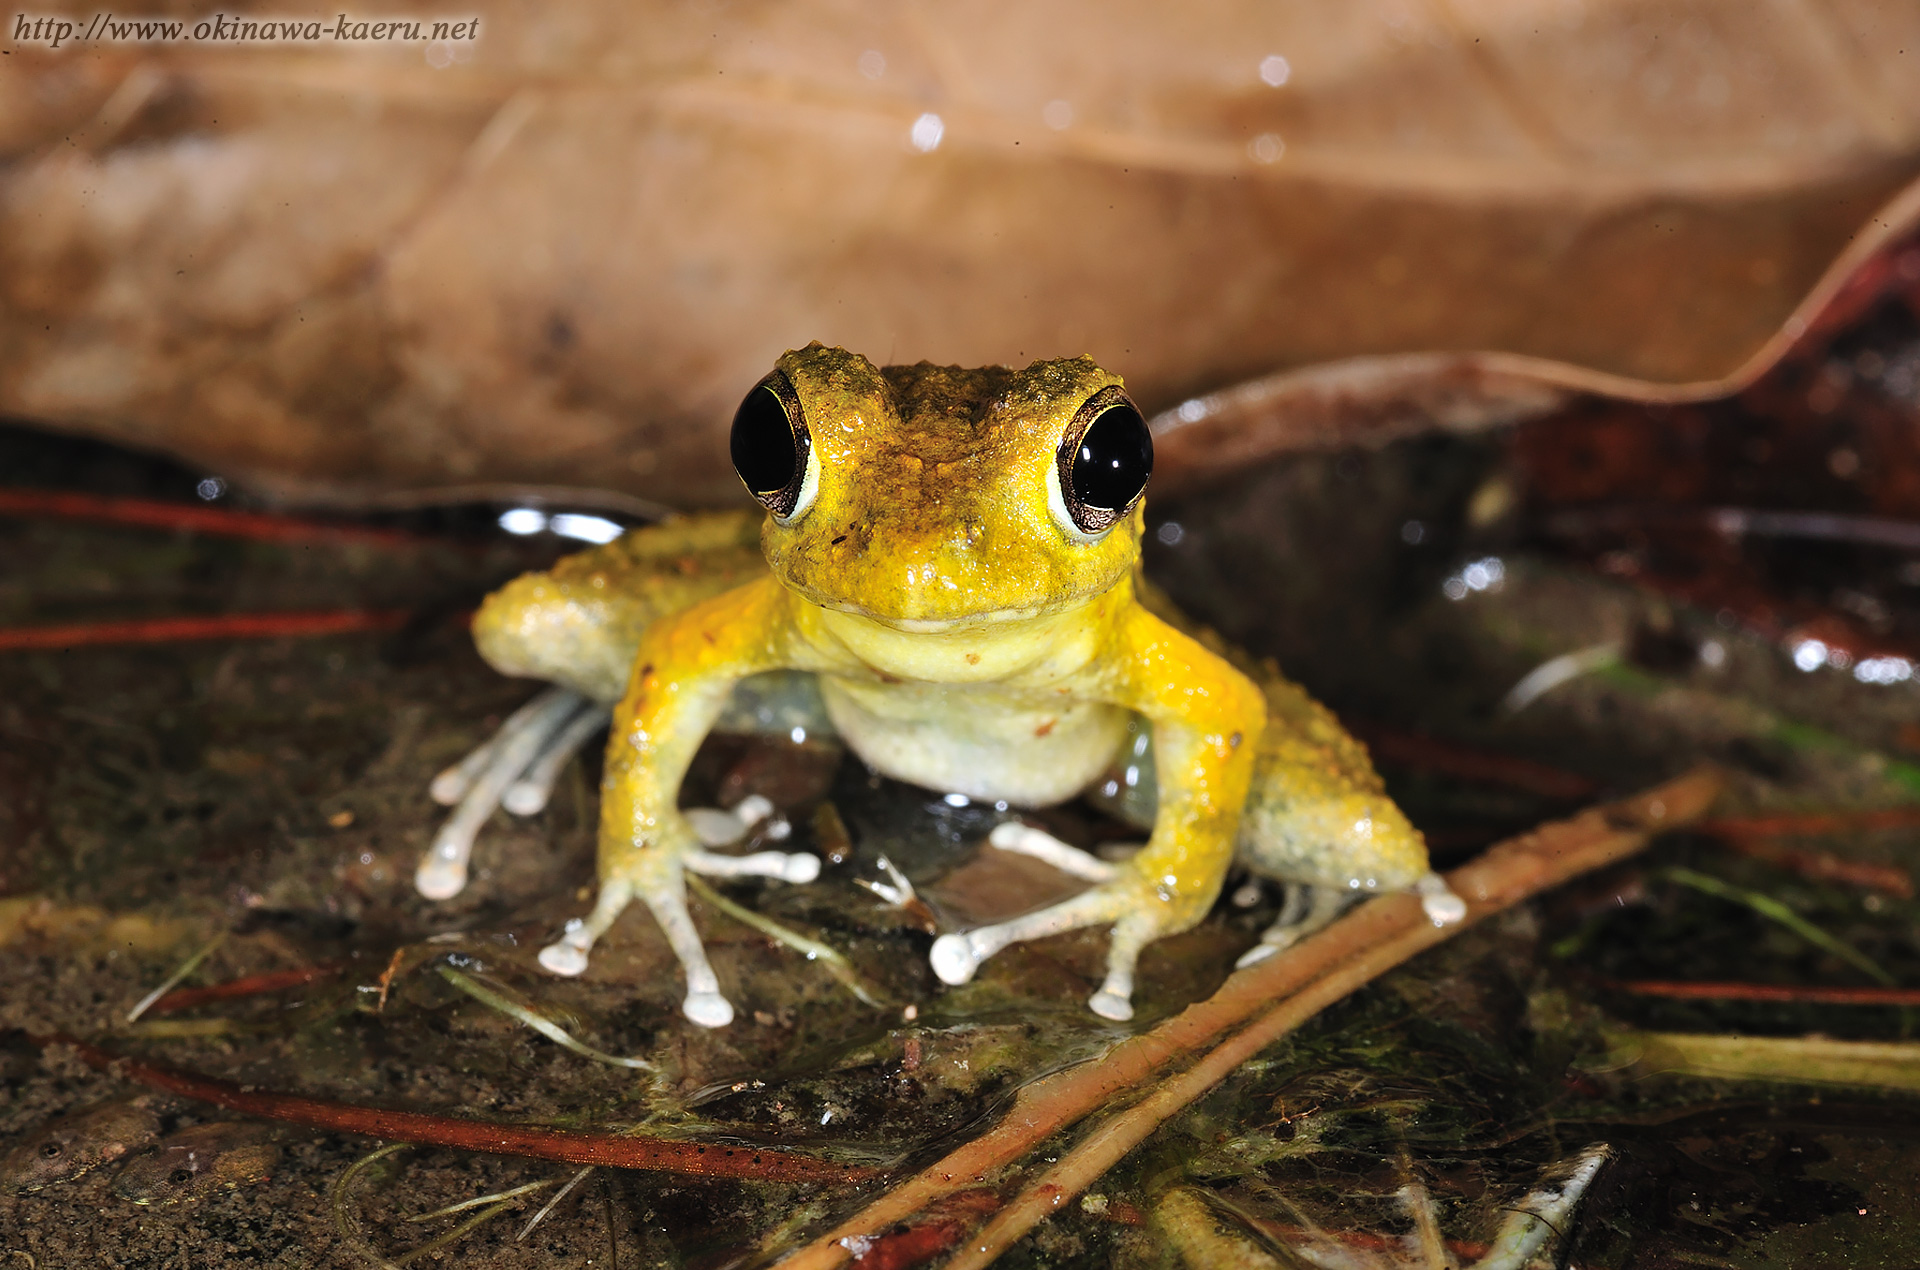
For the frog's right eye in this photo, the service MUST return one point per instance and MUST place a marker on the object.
(771, 446)
(1104, 462)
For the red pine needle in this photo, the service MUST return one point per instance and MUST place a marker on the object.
(250, 986)
(615, 1150)
(153, 514)
(168, 630)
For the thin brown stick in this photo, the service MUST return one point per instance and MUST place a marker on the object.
(1484, 766)
(1813, 822)
(1821, 866)
(620, 1151)
(1508, 873)
(1371, 939)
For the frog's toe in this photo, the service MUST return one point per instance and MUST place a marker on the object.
(1026, 840)
(708, 1009)
(1441, 905)
(478, 781)
(541, 716)
(528, 795)
(1305, 910)
(567, 955)
(443, 874)
(955, 958)
(787, 866)
(1115, 998)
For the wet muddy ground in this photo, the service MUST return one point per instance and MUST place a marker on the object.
(270, 794)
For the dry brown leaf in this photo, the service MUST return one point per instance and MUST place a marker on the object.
(341, 271)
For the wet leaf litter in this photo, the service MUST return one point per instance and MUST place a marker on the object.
(256, 800)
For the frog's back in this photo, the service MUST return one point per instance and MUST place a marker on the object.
(578, 623)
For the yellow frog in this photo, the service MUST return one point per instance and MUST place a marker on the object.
(954, 555)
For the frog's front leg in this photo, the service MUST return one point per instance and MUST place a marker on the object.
(684, 672)
(1207, 719)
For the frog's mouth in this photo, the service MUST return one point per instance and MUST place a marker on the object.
(937, 625)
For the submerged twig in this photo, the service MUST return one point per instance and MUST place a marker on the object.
(349, 1229)
(1542, 1214)
(830, 958)
(1820, 866)
(459, 1232)
(1774, 910)
(552, 1204)
(343, 1221)
(1550, 674)
(1449, 758)
(174, 980)
(1815, 1060)
(615, 1150)
(497, 1000)
(495, 1198)
(1791, 824)
(1752, 836)
(1277, 994)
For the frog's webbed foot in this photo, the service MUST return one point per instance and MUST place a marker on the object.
(515, 768)
(663, 891)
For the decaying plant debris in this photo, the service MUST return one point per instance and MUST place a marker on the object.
(558, 255)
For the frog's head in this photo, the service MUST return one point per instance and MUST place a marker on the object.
(923, 496)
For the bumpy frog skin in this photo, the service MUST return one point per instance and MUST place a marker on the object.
(970, 632)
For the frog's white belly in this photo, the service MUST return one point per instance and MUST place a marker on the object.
(1029, 749)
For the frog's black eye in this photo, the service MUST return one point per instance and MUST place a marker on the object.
(1105, 460)
(770, 444)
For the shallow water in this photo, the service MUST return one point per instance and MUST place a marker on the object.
(155, 796)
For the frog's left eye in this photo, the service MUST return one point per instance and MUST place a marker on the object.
(1105, 460)
(771, 446)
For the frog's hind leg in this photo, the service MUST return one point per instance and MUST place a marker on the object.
(1318, 816)
(529, 749)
